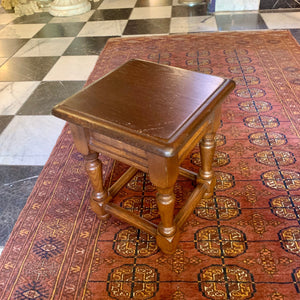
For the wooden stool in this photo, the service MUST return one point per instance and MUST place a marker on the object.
(150, 117)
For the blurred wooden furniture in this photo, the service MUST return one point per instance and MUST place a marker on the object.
(150, 117)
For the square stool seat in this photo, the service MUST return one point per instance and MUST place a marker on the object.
(150, 117)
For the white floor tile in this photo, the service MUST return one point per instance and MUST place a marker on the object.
(235, 12)
(7, 18)
(71, 19)
(193, 24)
(25, 31)
(103, 28)
(117, 4)
(28, 140)
(1, 249)
(45, 47)
(72, 68)
(14, 95)
(151, 12)
(282, 20)
(237, 5)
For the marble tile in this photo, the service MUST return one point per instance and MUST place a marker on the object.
(8, 47)
(72, 68)
(13, 31)
(142, 3)
(14, 94)
(111, 14)
(235, 12)
(12, 200)
(60, 30)
(150, 26)
(48, 94)
(37, 18)
(3, 60)
(45, 47)
(275, 4)
(228, 22)
(236, 5)
(26, 68)
(16, 185)
(10, 175)
(88, 45)
(139, 35)
(267, 4)
(95, 4)
(189, 11)
(117, 4)
(151, 12)
(296, 34)
(4, 121)
(282, 20)
(103, 28)
(7, 18)
(73, 19)
(28, 140)
(193, 24)
(184, 3)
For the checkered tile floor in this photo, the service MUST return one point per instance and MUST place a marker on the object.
(44, 59)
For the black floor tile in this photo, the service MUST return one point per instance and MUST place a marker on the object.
(37, 18)
(60, 30)
(9, 47)
(296, 34)
(111, 14)
(4, 121)
(189, 11)
(27, 68)
(142, 3)
(86, 46)
(16, 184)
(240, 22)
(150, 26)
(274, 4)
(11, 174)
(48, 94)
(95, 4)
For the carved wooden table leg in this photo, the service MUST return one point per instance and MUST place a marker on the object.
(163, 174)
(206, 173)
(93, 167)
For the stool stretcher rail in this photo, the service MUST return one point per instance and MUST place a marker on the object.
(131, 218)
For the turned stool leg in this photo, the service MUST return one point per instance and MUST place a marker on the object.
(206, 174)
(163, 174)
(166, 202)
(167, 236)
(93, 167)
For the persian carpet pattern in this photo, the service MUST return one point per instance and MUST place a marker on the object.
(242, 244)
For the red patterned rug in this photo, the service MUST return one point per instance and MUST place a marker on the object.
(245, 244)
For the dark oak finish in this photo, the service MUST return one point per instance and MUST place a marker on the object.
(149, 116)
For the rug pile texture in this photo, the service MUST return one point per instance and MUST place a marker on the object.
(243, 244)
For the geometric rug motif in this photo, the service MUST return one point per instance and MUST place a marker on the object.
(242, 244)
